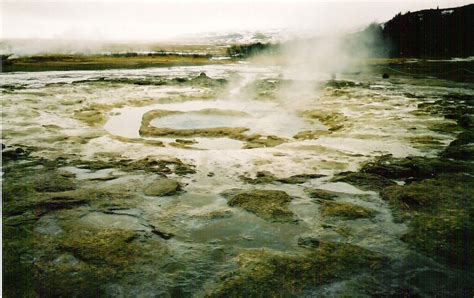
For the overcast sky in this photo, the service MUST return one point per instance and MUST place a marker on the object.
(157, 20)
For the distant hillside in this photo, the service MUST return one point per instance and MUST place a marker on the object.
(433, 33)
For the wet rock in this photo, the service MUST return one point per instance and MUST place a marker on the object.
(271, 205)
(89, 259)
(430, 280)
(425, 140)
(183, 143)
(265, 177)
(439, 213)
(160, 233)
(334, 121)
(204, 80)
(444, 127)
(91, 116)
(340, 84)
(466, 121)
(53, 182)
(186, 141)
(345, 210)
(364, 181)
(19, 217)
(413, 167)
(263, 273)
(261, 177)
(59, 202)
(461, 152)
(155, 143)
(310, 134)
(162, 187)
(109, 246)
(108, 200)
(180, 80)
(258, 141)
(309, 242)
(102, 220)
(212, 213)
(385, 76)
(322, 194)
(219, 214)
(28, 190)
(464, 138)
(13, 153)
(300, 178)
(48, 225)
(148, 164)
(265, 89)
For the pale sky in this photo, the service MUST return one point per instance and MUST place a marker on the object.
(155, 20)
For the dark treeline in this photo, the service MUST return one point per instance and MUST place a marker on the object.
(432, 33)
(248, 50)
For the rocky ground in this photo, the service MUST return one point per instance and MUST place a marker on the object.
(358, 187)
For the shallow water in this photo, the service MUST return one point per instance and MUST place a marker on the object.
(194, 120)
(379, 119)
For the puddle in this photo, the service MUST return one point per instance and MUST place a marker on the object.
(264, 118)
(193, 120)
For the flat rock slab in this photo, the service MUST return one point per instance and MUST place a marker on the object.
(270, 205)
(162, 187)
(99, 220)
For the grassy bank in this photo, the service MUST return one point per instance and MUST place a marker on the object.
(101, 62)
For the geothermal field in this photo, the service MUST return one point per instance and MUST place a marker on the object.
(231, 179)
(218, 176)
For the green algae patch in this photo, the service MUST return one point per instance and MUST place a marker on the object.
(270, 205)
(265, 177)
(322, 194)
(17, 268)
(184, 143)
(53, 182)
(94, 114)
(364, 181)
(149, 164)
(440, 214)
(332, 120)
(310, 134)
(459, 152)
(87, 259)
(444, 127)
(414, 167)
(264, 273)
(101, 247)
(345, 210)
(36, 192)
(265, 89)
(258, 141)
(154, 143)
